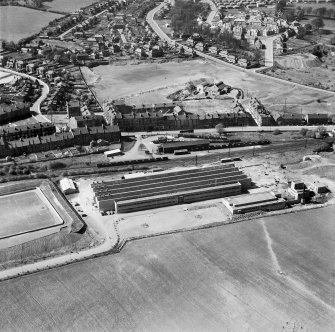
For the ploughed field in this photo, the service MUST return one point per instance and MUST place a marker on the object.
(271, 274)
(19, 22)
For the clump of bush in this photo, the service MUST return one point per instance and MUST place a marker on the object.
(277, 132)
(303, 131)
(56, 165)
(14, 170)
(323, 147)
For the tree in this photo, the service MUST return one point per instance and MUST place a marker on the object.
(280, 6)
(317, 23)
(290, 14)
(317, 51)
(219, 128)
(308, 10)
(321, 12)
(257, 55)
(300, 14)
(303, 131)
(301, 32)
(308, 27)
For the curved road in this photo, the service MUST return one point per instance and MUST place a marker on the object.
(36, 107)
(213, 11)
(165, 37)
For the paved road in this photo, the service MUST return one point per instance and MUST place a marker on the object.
(268, 41)
(36, 108)
(213, 11)
(165, 37)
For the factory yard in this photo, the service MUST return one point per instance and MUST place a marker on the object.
(158, 80)
(26, 212)
(272, 274)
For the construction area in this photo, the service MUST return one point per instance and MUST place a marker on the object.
(170, 188)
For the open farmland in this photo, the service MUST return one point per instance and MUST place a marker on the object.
(19, 22)
(68, 5)
(162, 79)
(220, 279)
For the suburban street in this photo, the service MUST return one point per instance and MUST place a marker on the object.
(68, 31)
(164, 36)
(36, 107)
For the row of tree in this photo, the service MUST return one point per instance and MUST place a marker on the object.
(184, 15)
(320, 12)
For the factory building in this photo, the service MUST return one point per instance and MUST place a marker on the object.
(170, 188)
(265, 201)
(67, 186)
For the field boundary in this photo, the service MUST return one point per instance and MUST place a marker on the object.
(119, 246)
(243, 217)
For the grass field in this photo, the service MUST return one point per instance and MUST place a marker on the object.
(67, 5)
(220, 279)
(24, 212)
(19, 22)
(162, 79)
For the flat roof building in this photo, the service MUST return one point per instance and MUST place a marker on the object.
(67, 186)
(264, 201)
(170, 188)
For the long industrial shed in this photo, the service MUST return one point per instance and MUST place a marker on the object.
(170, 188)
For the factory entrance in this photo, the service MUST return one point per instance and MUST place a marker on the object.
(181, 199)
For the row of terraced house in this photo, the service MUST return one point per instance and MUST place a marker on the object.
(33, 144)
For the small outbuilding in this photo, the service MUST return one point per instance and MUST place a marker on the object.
(318, 188)
(112, 153)
(67, 186)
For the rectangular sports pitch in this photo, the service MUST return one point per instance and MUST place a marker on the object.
(25, 212)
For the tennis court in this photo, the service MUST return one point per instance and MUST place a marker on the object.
(25, 212)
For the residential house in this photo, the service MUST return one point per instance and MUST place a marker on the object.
(83, 121)
(317, 118)
(26, 131)
(13, 112)
(223, 54)
(214, 50)
(73, 108)
(290, 119)
(140, 53)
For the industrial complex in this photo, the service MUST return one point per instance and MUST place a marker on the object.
(170, 188)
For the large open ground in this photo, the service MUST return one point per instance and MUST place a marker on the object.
(19, 22)
(25, 212)
(68, 5)
(132, 81)
(272, 274)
